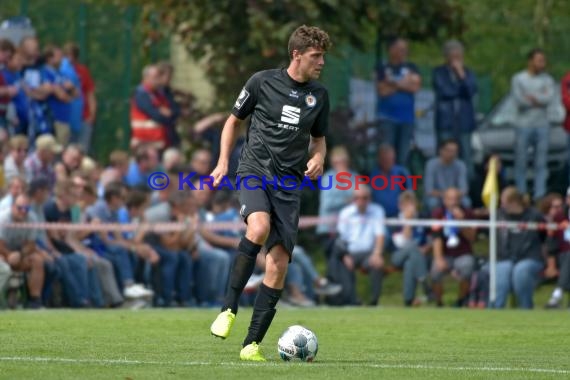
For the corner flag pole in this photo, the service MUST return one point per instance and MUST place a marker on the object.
(490, 197)
(493, 249)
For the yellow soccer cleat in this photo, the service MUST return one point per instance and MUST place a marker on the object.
(251, 352)
(223, 324)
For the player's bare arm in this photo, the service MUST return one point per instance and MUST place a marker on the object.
(228, 139)
(317, 154)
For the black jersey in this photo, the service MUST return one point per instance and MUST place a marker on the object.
(284, 114)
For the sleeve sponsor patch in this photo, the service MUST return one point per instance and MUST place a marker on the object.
(243, 96)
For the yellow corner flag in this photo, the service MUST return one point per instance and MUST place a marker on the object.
(491, 183)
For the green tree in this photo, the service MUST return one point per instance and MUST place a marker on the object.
(235, 38)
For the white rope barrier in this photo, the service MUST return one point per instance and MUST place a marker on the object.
(304, 222)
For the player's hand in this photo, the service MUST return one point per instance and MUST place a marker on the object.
(314, 168)
(219, 173)
(348, 262)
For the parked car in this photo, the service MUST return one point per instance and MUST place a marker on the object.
(496, 135)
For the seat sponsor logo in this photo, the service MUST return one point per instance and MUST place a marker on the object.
(290, 114)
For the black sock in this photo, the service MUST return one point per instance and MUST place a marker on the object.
(243, 266)
(263, 313)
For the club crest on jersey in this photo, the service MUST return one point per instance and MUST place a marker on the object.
(310, 100)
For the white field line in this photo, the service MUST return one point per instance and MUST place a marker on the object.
(238, 364)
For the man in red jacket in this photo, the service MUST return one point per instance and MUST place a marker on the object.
(565, 89)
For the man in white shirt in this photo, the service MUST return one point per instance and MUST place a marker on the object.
(361, 230)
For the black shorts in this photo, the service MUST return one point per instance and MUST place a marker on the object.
(282, 207)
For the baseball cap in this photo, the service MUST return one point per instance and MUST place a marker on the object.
(48, 142)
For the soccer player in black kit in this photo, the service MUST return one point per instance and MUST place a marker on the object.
(285, 140)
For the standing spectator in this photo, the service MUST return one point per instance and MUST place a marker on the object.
(83, 137)
(63, 92)
(37, 89)
(455, 87)
(14, 163)
(398, 81)
(7, 90)
(360, 244)
(166, 72)
(519, 251)
(150, 111)
(565, 93)
(533, 91)
(41, 162)
(332, 200)
(12, 74)
(444, 172)
(452, 247)
(388, 197)
(18, 248)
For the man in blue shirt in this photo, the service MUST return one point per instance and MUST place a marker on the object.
(455, 87)
(64, 91)
(398, 81)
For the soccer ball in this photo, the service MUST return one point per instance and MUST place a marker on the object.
(298, 343)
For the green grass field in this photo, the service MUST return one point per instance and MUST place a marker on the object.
(357, 342)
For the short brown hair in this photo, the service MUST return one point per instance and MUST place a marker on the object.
(7, 45)
(118, 157)
(305, 37)
(19, 141)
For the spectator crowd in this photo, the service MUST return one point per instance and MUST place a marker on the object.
(48, 115)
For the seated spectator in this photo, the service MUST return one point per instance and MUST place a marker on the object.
(70, 162)
(313, 283)
(388, 197)
(102, 279)
(41, 161)
(444, 172)
(14, 162)
(70, 268)
(171, 158)
(175, 249)
(519, 251)
(558, 260)
(114, 247)
(213, 251)
(452, 247)
(18, 248)
(412, 247)
(224, 210)
(201, 162)
(360, 243)
(332, 200)
(16, 186)
(145, 162)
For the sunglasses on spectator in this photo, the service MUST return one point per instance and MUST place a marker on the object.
(23, 208)
(365, 197)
